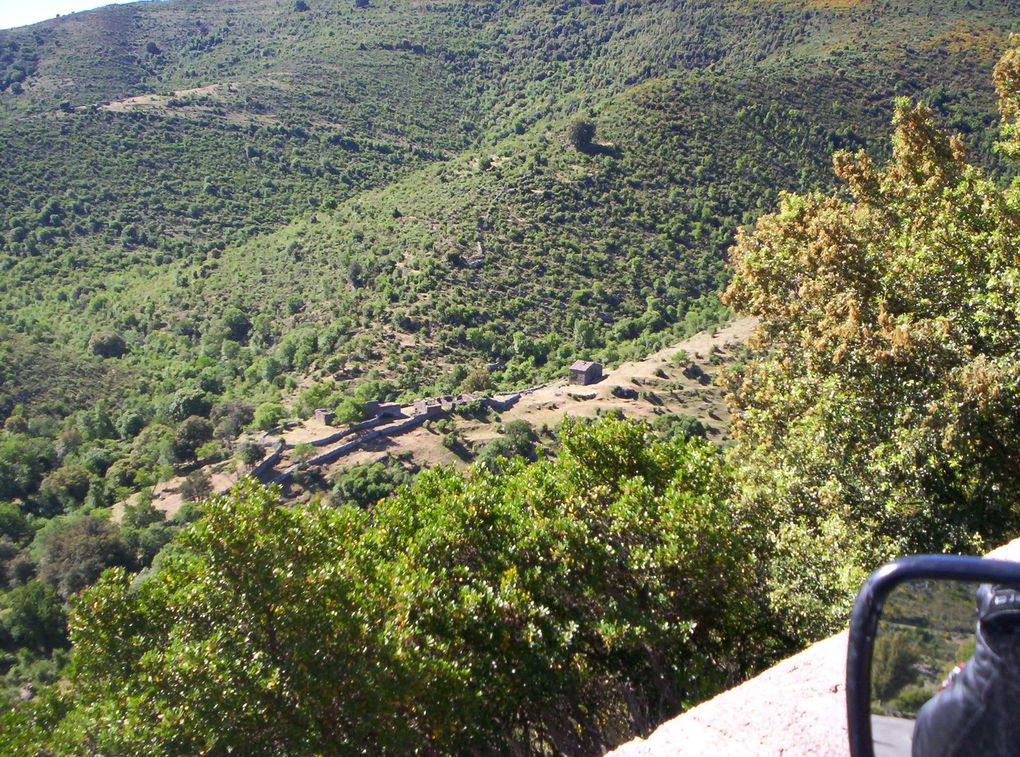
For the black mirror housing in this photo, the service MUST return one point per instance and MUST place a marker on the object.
(867, 610)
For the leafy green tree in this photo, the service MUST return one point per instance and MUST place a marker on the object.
(188, 402)
(269, 415)
(685, 426)
(250, 453)
(550, 606)
(230, 418)
(97, 456)
(191, 434)
(479, 380)
(26, 726)
(314, 397)
(66, 487)
(14, 524)
(196, 486)
(10, 552)
(892, 668)
(96, 423)
(879, 413)
(269, 368)
(154, 445)
(518, 440)
(364, 485)
(145, 542)
(211, 380)
(107, 344)
(581, 134)
(349, 410)
(122, 473)
(67, 442)
(911, 698)
(304, 452)
(16, 424)
(584, 335)
(384, 391)
(73, 552)
(141, 513)
(23, 462)
(273, 697)
(34, 618)
(130, 423)
(236, 325)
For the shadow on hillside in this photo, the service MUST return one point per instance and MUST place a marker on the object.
(599, 149)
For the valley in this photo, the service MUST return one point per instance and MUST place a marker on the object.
(290, 293)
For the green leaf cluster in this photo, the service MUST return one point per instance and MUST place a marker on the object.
(557, 607)
(879, 414)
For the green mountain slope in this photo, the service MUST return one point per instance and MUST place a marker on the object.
(218, 213)
(390, 190)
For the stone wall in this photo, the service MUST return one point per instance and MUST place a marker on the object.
(409, 416)
(261, 470)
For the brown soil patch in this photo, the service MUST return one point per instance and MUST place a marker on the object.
(661, 385)
(166, 495)
(161, 101)
(651, 387)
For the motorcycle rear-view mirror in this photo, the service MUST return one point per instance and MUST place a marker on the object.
(933, 664)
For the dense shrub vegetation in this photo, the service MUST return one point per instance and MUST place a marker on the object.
(217, 216)
(560, 605)
(881, 413)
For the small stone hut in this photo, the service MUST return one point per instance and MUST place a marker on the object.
(584, 372)
(390, 410)
(325, 417)
(377, 409)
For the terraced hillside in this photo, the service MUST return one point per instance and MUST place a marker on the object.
(677, 390)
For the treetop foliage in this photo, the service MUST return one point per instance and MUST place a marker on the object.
(558, 606)
(1007, 84)
(581, 134)
(881, 406)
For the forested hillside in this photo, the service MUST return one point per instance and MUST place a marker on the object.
(239, 182)
(215, 216)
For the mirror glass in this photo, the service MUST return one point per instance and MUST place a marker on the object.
(945, 670)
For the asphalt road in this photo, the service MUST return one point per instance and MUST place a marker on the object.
(892, 736)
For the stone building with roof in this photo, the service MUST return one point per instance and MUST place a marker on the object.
(584, 372)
